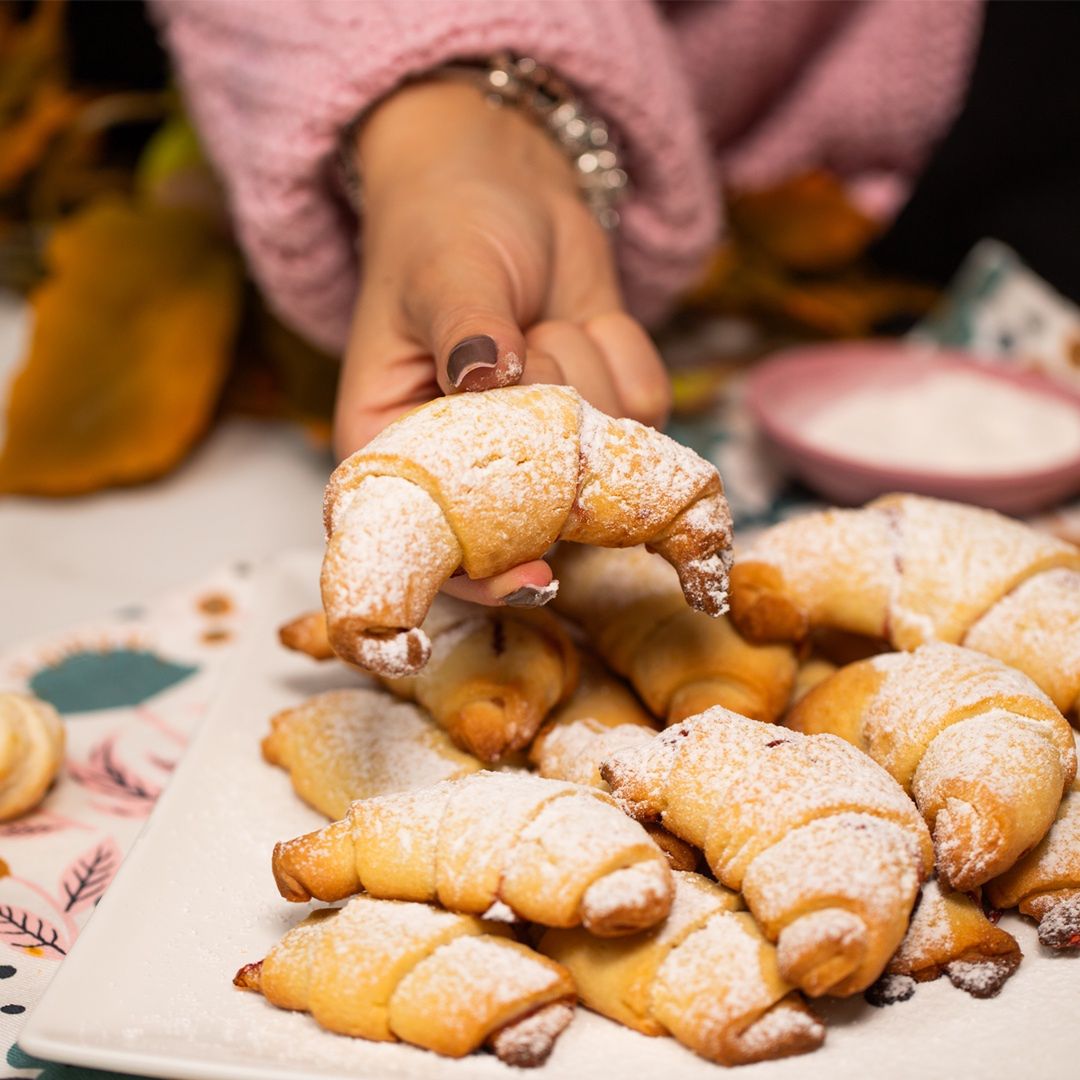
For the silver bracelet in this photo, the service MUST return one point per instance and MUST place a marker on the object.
(523, 83)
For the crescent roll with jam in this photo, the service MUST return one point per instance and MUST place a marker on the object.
(1045, 883)
(484, 482)
(913, 570)
(493, 676)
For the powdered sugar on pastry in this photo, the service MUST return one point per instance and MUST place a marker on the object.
(527, 1043)
(384, 970)
(488, 481)
(354, 744)
(907, 568)
(631, 465)
(800, 823)
(537, 845)
(925, 691)
(574, 751)
(955, 562)
(712, 1016)
(950, 934)
(1037, 628)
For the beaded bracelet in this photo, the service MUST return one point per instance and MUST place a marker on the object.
(523, 83)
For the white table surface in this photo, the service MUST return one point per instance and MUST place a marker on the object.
(252, 489)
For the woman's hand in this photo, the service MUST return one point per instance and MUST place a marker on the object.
(482, 267)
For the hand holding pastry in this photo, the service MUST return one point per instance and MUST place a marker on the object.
(490, 268)
(483, 482)
(485, 268)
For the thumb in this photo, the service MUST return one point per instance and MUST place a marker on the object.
(462, 310)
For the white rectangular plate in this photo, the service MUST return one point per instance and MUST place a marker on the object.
(147, 988)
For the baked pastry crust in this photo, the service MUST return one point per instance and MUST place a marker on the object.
(825, 846)
(31, 752)
(484, 482)
(345, 745)
(705, 975)
(1045, 883)
(1036, 628)
(602, 716)
(982, 750)
(914, 570)
(950, 935)
(388, 971)
(679, 661)
(553, 853)
(493, 676)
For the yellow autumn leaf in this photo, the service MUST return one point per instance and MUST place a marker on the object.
(132, 338)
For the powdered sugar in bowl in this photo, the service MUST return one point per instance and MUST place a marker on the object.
(858, 419)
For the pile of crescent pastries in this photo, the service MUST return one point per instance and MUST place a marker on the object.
(689, 795)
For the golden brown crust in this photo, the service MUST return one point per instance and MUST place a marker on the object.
(1036, 628)
(553, 853)
(950, 935)
(601, 714)
(307, 634)
(679, 661)
(493, 677)
(488, 481)
(825, 846)
(345, 745)
(983, 751)
(1045, 883)
(914, 570)
(31, 752)
(706, 976)
(388, 971)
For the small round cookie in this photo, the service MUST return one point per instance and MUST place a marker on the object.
(31, 752)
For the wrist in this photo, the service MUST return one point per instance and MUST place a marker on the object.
(438, 131)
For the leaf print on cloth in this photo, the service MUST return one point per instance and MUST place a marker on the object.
(127, 793)
(34, 922)
(39, 823)
(22, 929)
(84, 882)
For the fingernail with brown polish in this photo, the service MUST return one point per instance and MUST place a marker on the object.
(471, 354)
(531, 595)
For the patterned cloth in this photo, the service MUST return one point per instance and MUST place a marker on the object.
(131, 690)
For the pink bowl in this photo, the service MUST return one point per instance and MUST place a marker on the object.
(784, 390)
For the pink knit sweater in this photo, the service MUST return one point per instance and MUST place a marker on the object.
(739, 91)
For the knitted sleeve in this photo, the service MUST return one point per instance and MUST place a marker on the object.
(272, 85)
